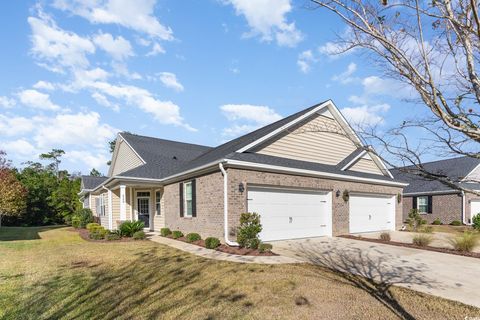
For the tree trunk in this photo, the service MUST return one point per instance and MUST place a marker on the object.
(0, 219)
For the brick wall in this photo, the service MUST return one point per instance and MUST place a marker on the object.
(446, 207)
(209, 219)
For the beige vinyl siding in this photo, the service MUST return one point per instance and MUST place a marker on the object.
(309, 142)
(116, 208)
(159, 220)
(104, 218)
(474, 176)
(366, 165)
(125, 159)
(128, 204)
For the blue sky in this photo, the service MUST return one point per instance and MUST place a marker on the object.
(74, 73)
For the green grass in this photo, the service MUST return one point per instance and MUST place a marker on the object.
(60, 276)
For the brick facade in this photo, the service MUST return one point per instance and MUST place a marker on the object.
(209, 188)
(446, 207)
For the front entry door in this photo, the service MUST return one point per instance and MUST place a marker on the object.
(143, 207)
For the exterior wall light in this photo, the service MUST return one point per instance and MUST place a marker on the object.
(337, 194)
(241, 187)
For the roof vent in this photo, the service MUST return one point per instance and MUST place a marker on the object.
(174, 157)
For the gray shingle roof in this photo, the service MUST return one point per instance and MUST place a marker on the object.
(162, 157)
(90, 182)
(456, 169)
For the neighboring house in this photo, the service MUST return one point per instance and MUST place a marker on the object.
(88, 184)
(295, 173)
(434, 199)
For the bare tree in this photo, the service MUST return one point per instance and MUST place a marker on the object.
(432, 47)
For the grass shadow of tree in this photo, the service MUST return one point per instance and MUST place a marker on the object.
(24, 233)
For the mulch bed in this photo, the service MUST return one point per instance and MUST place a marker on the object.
(411, 245)
(230, 250)
(84, 235)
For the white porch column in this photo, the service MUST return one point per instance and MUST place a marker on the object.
(110, 210)
(123, 204)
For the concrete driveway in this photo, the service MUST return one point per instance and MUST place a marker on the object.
(444, 275)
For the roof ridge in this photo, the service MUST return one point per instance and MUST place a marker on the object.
(435, 161)
(123, 133)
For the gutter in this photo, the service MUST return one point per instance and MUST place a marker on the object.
(225, 206)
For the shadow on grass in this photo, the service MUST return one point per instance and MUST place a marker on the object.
(156, 282)
(368, 272)
(24, 233)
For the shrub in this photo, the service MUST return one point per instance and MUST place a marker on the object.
(76, 222)
(265, 247)
(455, 223)
(98, 233)
(465, 243)
(177, 234)
(414, 220)
(422, 240)
(165, 232)
(112, 236)
(139, 235)
(212, 243)
(191, 237)
(437, 222)
(249, 229)
(128, 228)
(85, 217)
(92, 225)
(385, 236)
(426, 229)
(476, 222)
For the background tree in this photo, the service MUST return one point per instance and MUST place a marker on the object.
(12, 192)
(54, 156)
(95, 173)
(432, 47)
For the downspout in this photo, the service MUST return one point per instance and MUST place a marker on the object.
(110, 212)
(463, 208)
(225, 206)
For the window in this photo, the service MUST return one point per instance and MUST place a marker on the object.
(143, 203)
(422, 204)
(97, 206)
(143, 194)
(157, 202)
(187, 198)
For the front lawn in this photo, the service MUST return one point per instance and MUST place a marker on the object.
(53, 274)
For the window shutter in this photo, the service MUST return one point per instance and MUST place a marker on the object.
(194, 198)
(181, 198)
(429, 209)
(414, 202)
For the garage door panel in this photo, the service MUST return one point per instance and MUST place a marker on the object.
(290, 214)
(371, 213)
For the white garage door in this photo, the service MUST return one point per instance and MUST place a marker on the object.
(369, 213)
(291, 214)
(474, 209)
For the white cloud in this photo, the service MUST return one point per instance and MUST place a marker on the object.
(237, 130)
(136, 15)
(20, 148)
(7, 102)
(170, 80)
(305, 59)
(156, 49)
(58, 47)
(14, 125)
(45, 85)
(119, 48)
(267, 19)
(35, 99)
(346, 76)
(374, 85)
(96, 159)
(122, 69)
(103, 101)
(366, 115)
(254, 116)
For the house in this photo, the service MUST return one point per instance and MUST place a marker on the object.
(88, 183)
(307, 175)
(435, 200)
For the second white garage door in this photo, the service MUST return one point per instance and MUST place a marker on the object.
(370, 213)
(291, 214)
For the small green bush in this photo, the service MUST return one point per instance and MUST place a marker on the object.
(212, 243)
(476, 222)
(456, 223)
(249, 229)
(191, 237)
(426, 229)
(437, 222)
(177, 234)
(265, 247)
(385, 236)
(414, 220)
(76, 222)
(92, 225)
(128, 228)
(422, 240)
(165, 232)
(98, 233)
(112, 236)
(139, 235)
(85, 217)
(466, 242)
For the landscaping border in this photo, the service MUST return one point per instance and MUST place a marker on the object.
(409, 245)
